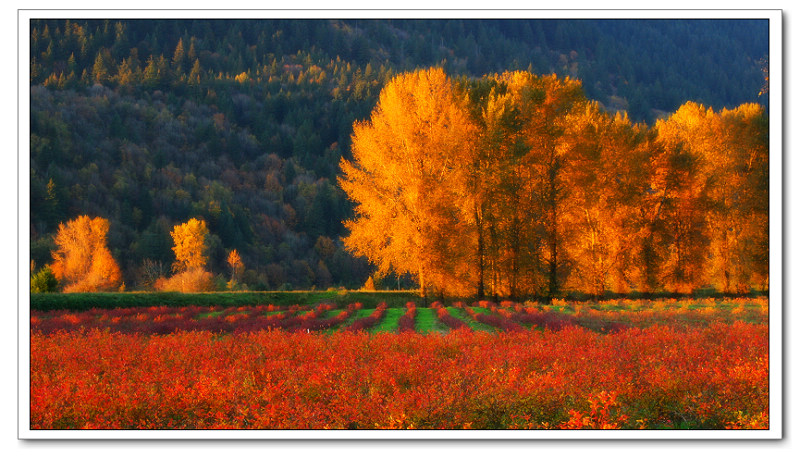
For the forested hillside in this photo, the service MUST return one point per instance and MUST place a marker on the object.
(243, 123)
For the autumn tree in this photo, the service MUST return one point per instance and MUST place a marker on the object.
(82, 262)
(493, 113)
(746, 196)
(236, 265)
(190, 245)
(405, 179)
(707, 201)
(737, 214)
(190, 259)
(602, 201)
(689, 171)
(553, 110)
(507, 254)
(648, 189)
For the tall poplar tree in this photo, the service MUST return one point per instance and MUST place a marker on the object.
(190, 245)
(691, 165)
(552, 108)
(490, 184)
(405, 179)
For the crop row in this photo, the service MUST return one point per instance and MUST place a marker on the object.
(710, 377)
(445, 317)
(498, 320)
(163, 320)
(506, 316)
(407, 322)
(368, 321)
(77, 302)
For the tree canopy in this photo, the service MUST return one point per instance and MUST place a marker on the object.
(516, 185)
(81, 261)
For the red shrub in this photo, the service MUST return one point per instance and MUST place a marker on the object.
(710, 377)
(449, 320)
(407, 322)
(369, 321)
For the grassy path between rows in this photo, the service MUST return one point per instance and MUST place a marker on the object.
(389, 321)
(428, 323)
(358, 314)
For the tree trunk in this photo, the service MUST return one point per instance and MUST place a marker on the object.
(552, 288)
(515, 255)
(481, 255)
(422, 291)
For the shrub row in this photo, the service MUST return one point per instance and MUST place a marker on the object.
(318, 324)
(298, 322)
(86, 301)
(369, 321)
(449, 320)
(164, 320)
(407, 322)
(498, 321)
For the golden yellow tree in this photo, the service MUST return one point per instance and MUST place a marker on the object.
(406, 181)
(494, 186)
(82, 262)
(236, 265)
(190, 259)
(691, 150)
(739, 215)
(553, 111)
(712, 178)
(190, 245)
(601, 203)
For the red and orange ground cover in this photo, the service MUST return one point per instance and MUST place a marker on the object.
(708, 370)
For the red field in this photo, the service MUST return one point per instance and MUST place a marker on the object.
(632, 365)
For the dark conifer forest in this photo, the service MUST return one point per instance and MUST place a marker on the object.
(243, 123)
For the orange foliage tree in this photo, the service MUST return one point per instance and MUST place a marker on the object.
(689, 146)
(717, 217)
(190, 245)
(537, 136)
(602, 202)
(494, 185)
(236, 265)
(744, 196)
(554, 112)
(190, 259)
(81, 261)
(406, 180)
(516, 184)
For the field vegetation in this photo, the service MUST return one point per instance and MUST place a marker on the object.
(629, 364)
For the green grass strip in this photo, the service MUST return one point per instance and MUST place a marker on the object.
(358, 314)
(428, 323)
(222, 312)
(200, 316)
(331, 313)
(389, 321)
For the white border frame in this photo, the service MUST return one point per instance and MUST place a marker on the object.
(776, 322)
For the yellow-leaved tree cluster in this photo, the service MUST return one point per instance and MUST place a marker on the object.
(190, 259)
(83, 263)
(516, 184)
